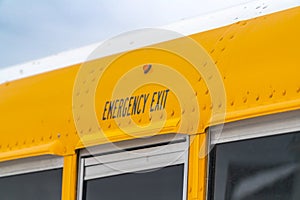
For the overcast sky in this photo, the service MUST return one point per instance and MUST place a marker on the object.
(34, 29)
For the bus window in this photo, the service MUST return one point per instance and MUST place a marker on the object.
(256, 158)
(260, 168)
(156, 171)
(31, 179)
(161, 184)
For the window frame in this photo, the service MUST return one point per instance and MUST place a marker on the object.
(267, 125)
(257, 127)
(173, 146)
(30, 165)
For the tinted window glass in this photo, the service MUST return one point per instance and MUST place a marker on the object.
(45, 185)
(260, 169)
(162, 184)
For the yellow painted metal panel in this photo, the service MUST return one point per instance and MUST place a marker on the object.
(257, 59)
(197, 167)
(69, 178)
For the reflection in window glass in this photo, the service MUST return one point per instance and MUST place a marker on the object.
(260, 169)
(162, 184)
(45, 185)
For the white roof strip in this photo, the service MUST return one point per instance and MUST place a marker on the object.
(139, 39)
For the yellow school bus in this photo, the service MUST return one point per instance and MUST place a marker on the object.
(207, 108)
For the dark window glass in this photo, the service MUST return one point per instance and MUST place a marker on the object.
(161, 184)
(44, 185)
(260, 169)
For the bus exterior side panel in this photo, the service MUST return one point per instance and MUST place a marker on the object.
(258, 60)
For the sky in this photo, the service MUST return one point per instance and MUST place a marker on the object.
(35, 29)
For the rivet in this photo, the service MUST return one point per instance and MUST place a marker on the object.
(183, 111)
(221, 39)
(231, 37)
(284, 93)
(232, 103)
(271, 95)
(212, 50)
(223, 49)
(199, 79)
(109, 125)
(58, 135)
(90, 130)
(220, 105)
(298, 90)
(193, 110)
(196, 93)
(245, 99)
(257, 98)
(172, 114)
(140, 120)
(204, 107)
(205, 64)
(206, 92)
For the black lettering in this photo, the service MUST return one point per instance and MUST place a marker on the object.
(125, 108)
(121, 104)
(145, 101)
(110, 110)
(115, 108)
(152, 101)
(166, 96)
(158, 104)
(104, 114)
(129, 105)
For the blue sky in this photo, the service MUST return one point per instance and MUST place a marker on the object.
(37, 28)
